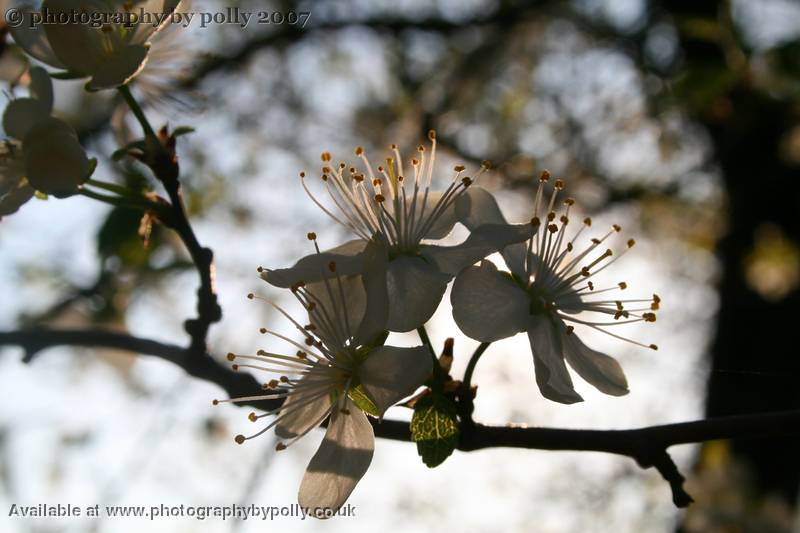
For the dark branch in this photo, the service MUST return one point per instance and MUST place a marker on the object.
(647, 446)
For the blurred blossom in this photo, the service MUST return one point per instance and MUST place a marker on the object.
(110, 53)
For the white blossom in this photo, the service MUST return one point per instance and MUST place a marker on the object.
(340, 371)
(549, 289)
(400, 210)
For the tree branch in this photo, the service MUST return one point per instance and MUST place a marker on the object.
(647, 446)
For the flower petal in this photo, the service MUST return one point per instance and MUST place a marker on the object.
(445, 219)
(341, 460)
(12, 200)
(296, 422)
(33, 39)
(478, 207)
(389, 374)
(415, 289)
(340, 305)
(77, 46)
(376, 313)
(552, 375)
(41, 87)
(119, 68)
(314, 267)
(22, 114)
(481, 242)
(487, 304)
(599, 369)
(55, 162)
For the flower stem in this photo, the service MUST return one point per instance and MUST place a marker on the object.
(438, 378)
(120, 201)
(113, 187)
(473, 361)
(137, 111)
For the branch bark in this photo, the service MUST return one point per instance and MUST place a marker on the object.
(647, 445)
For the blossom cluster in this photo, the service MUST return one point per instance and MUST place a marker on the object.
(392, 277)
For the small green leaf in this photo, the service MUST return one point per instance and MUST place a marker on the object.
(360, 398)
(434, 427)
(182, 130)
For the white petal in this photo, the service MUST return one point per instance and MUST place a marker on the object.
(345, 314)
(119, 68)
(11, 201)
(314, 267)
(376, 314)
(77, 46)
(33, 39)
(389, 374)
(445, 220)
(41, 87)
(482, 241)
(597, 368)
(342, 459)
(55, 162)
(487, 304)
(478, 207)
(415, 289)
(22, 114)
(297, 422)
(552, 375)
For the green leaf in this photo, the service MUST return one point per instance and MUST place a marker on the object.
(182, 130)
(434, 427)
(360, 398)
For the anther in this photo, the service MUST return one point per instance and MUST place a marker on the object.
(486, 164)
(280, 447)
(379, 198)
(239, 439)
(467, 181)
(551, 216)
(559, 184)
(617, 227)
(359, 150)
(459, 168)
(273, 383)
(250, 296)
(262, 330)
(311, 236)
(432, 135)
(302, 174)
(326, 156)
(631, 242)
(564, 219)
(622, 285)
(570, 329)
(235, 366)
(569, 201)
(394, 146)
(587, 221)
(552, 228)
(231, 357)
(214, 402)
(284, 379)
(653, 347)
(590, 285)
(649, 317)
(252, 417)
(535, 221)
(545, 175)
(332, 266)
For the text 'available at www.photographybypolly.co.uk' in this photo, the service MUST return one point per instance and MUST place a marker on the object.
(162, 511)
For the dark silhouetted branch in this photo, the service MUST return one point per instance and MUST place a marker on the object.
(647, 446)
